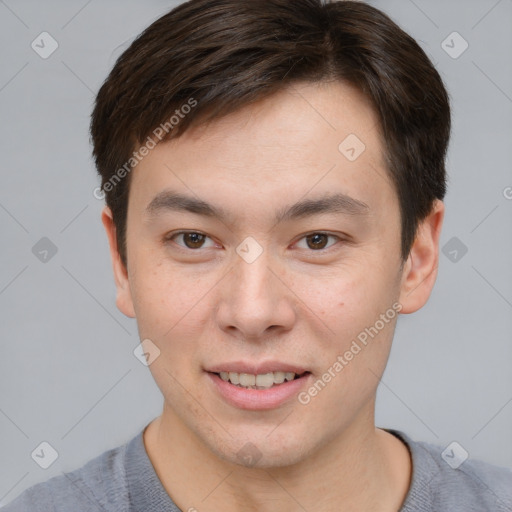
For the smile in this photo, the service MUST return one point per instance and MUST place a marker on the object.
(261, 381)
(258, 391)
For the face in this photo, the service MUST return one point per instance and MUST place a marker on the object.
(225, 274)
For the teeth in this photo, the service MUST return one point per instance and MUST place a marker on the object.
(262, 381)
(246, 379)
(234, 378)
(266, 380)
(278, 377)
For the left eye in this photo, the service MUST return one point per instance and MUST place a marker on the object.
(318, 241)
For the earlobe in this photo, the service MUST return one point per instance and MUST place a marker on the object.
(420, 270)
(124, 300)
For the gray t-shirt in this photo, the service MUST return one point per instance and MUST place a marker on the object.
(123, 479)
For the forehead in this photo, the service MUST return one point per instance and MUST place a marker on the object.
(305, 139)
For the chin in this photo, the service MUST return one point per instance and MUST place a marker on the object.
(264, 449)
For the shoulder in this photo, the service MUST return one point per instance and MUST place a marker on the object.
(100, 484)
(448, 479)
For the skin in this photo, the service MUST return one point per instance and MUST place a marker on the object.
(295, 303)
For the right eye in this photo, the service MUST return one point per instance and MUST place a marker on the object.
(192, 240)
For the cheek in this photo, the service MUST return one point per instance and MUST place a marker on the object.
(348, 300)
(173, 309)
(348, 320)
(162, 295)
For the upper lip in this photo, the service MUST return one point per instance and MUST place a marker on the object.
(254, 368)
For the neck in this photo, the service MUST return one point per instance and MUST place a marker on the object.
(363, 468)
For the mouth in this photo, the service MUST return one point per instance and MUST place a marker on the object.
(259, 381)
(258, 391)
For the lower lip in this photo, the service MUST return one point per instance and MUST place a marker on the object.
(258, 399)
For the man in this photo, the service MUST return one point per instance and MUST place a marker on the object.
(274, 176)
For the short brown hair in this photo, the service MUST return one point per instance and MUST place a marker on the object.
(226, 54)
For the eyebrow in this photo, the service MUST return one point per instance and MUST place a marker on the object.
(169, 200)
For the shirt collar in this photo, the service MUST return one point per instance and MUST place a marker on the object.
(145, 490)
(147, 493)
(424, 469)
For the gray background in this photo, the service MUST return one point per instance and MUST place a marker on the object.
(68, 375)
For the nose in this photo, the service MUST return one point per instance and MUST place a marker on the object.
(255, 300)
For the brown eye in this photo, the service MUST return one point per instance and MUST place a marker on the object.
(317, 240)
(191, 239)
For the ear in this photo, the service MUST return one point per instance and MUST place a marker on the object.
(124, 300)
(420, 270)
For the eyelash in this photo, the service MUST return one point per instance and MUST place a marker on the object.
(170, 238)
